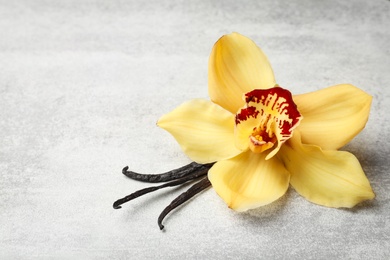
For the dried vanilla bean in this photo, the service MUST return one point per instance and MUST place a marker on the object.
(182, 175)
(167, 176)
(200, 172)
(195, 189)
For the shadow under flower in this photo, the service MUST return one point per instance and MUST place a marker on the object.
(271, 211)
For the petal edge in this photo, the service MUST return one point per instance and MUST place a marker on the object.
(333, 116)
(236, 66)
(204, 130)
(248, 181)
(328, 178)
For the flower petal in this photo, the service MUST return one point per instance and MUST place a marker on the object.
(328, 178)
(248, 181)
(204, 130)
(237, 66)
(333, 116)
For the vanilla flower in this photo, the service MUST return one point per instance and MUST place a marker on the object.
(262, 138)
(254, 138)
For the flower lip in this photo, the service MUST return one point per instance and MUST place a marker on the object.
(267, 120)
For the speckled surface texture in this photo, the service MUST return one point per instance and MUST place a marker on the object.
(82, 84)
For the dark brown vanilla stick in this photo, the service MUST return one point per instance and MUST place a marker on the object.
(195, 189)
(167, 176)
(199, 173)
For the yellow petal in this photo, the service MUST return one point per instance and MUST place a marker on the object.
(204, 130)
(248, 181)
(237, 66)
(333, 116)
(328, 178)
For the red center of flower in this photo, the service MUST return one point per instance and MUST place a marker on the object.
(269, 117)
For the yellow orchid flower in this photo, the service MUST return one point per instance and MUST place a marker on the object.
(263, 138)
(255, 138)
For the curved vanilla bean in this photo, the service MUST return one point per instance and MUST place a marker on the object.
(199, 173)
(195, 189)
(167, 176)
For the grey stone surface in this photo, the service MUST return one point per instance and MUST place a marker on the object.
(82, 84)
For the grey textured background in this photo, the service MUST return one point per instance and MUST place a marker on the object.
(82, 84)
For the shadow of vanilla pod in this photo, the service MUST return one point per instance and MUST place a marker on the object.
(255, 138)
